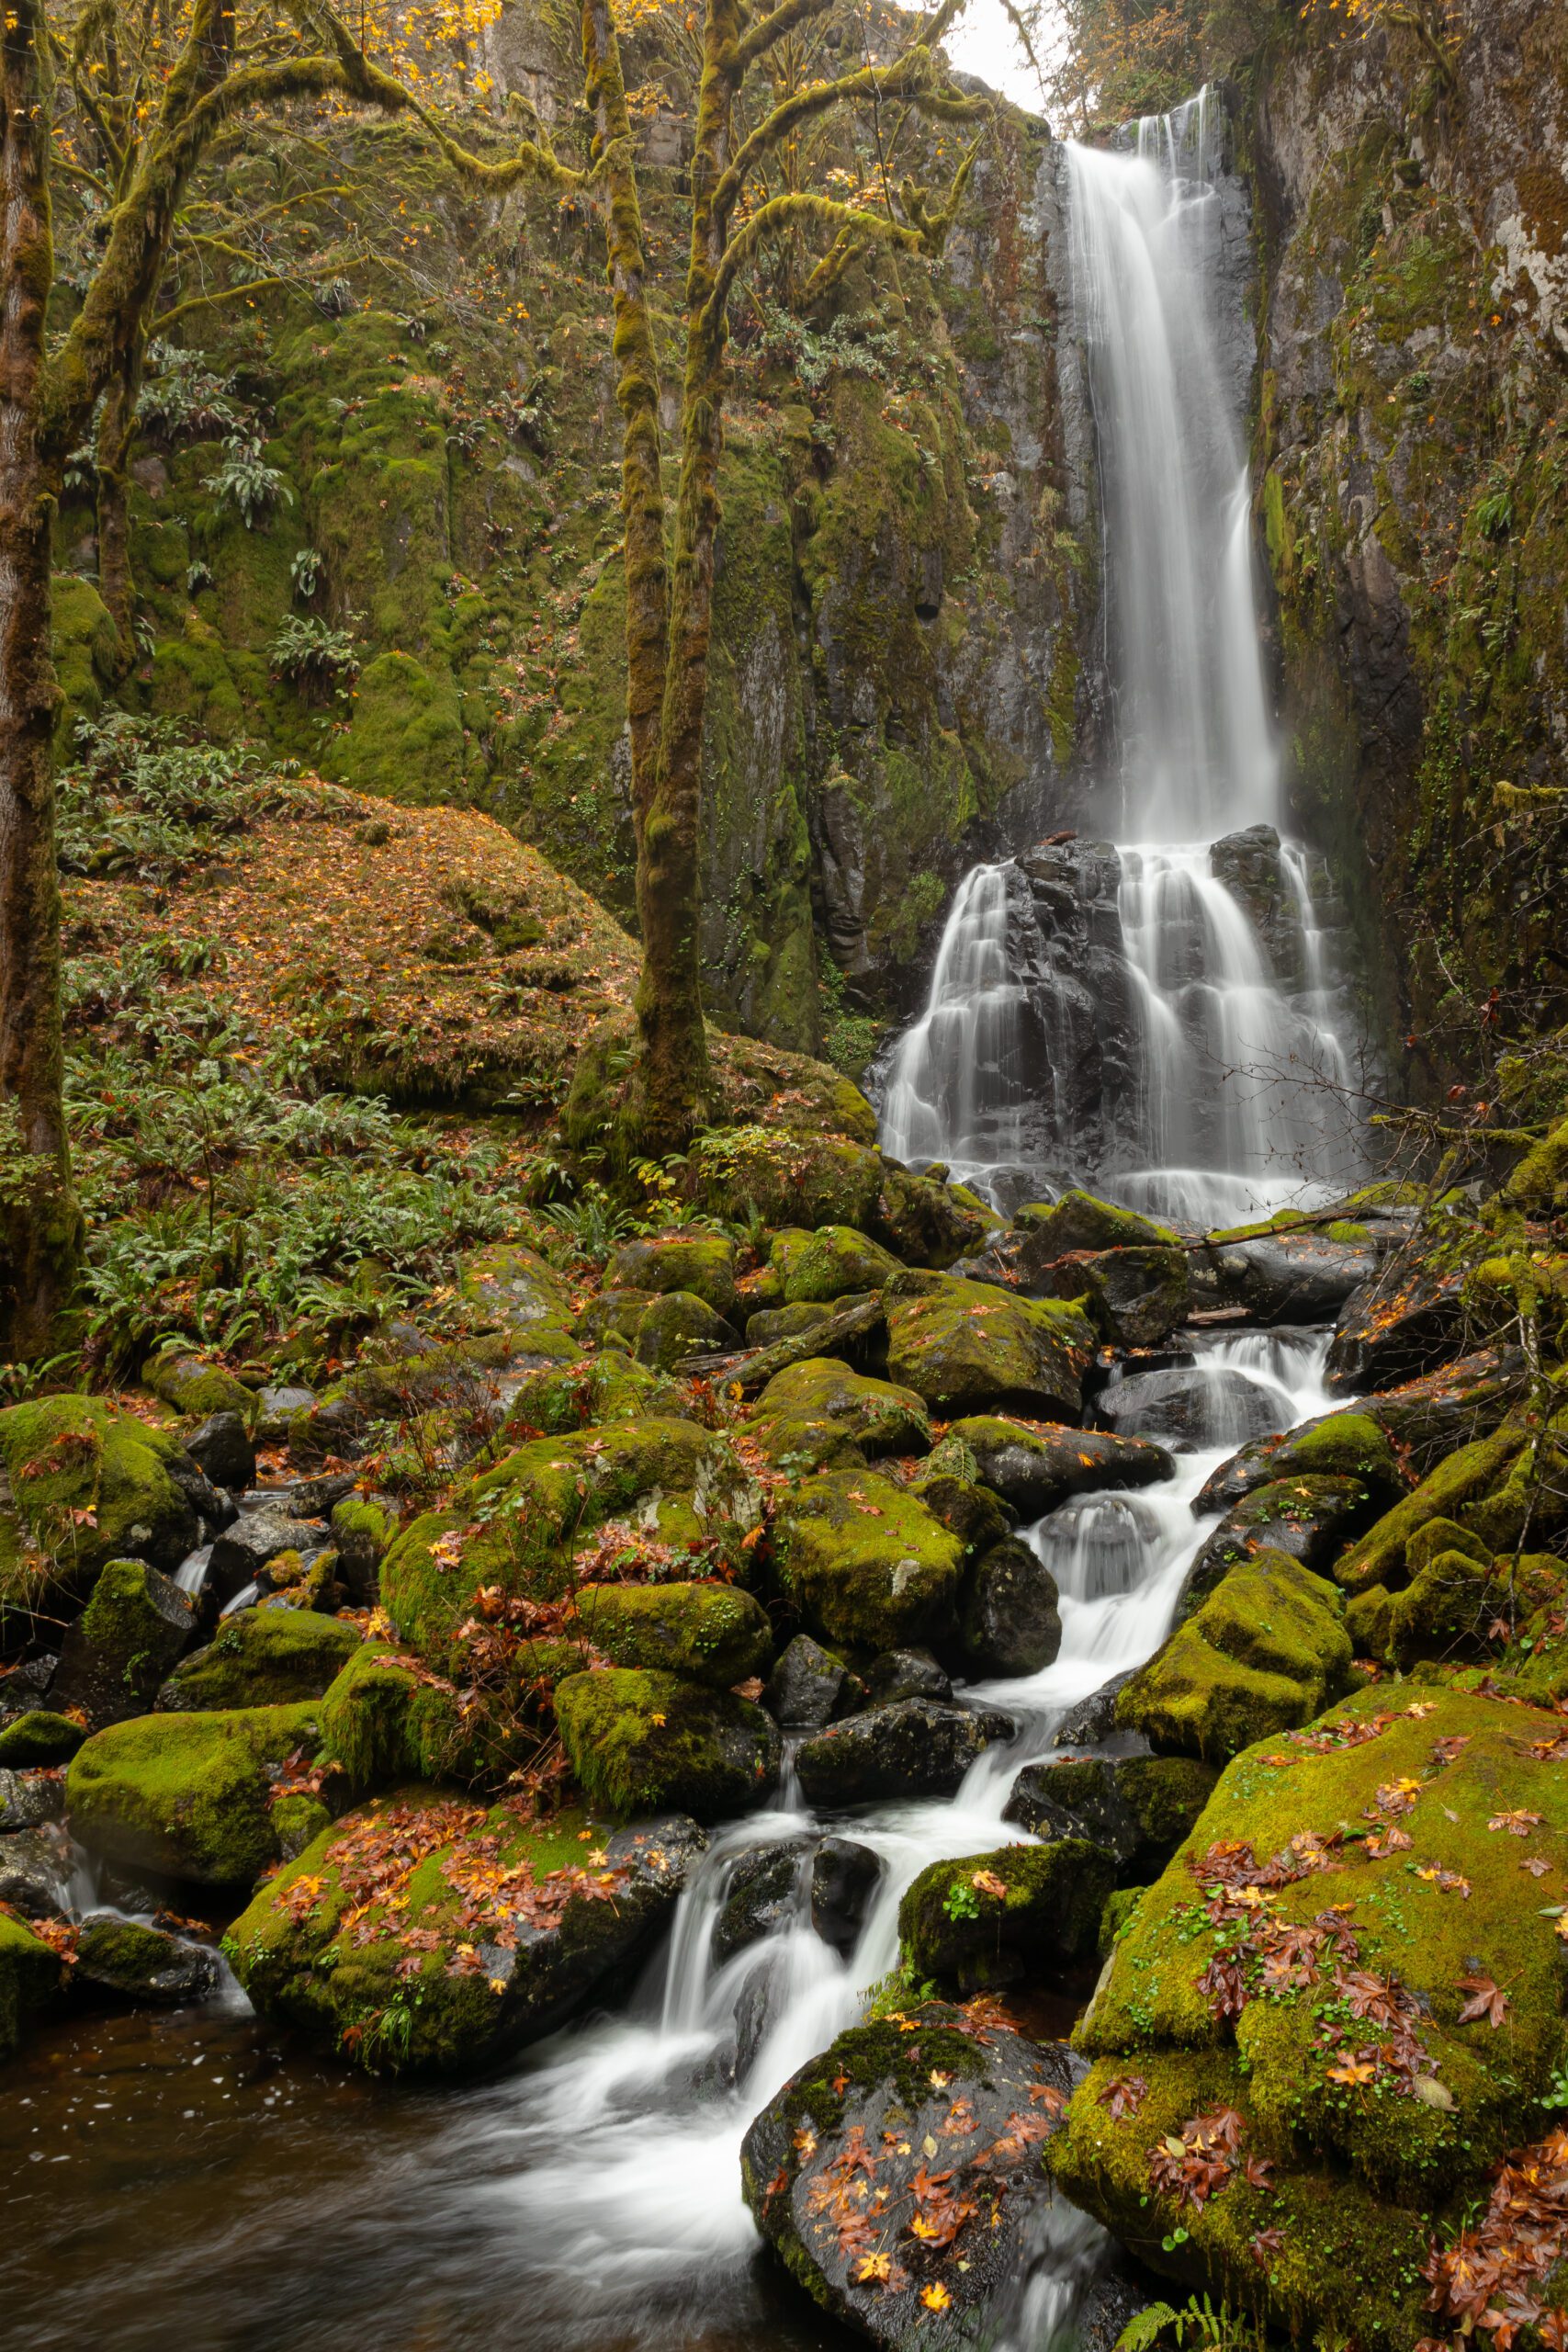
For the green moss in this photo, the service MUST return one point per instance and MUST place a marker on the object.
(1474, 1470)
(702, 1264)
(1265, 1652)
(643, 1741)
(87, 1486)
(263, 1657)
(87, 654)
(39, 1738)
(877, 1415)
(830, 1263)
(188, 1795)
(1078, 1221)
(31, 1976)
(197, 1388)
(708, 1633)
(953, 1924)
(965, 1347)
(867, 1564)
(1345, 1446)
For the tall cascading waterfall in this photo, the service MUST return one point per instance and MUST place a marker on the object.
(1194, 1065)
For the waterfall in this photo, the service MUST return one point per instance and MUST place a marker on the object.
(1189, 1060)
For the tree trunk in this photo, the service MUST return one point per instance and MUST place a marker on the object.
(39, 1223)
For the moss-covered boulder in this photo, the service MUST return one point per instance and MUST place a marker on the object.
(1078, 1221)
(42, 1737)
(514, 1527)
(786, 1178)
(195, 1385)
(387, 1718)
(830, 1263)
(87, 1485)
(911, 1748)
(196, 1797)
(1011, 1621)
(1037, 1464)
(30, 1977)
(1351, 1444)
(679, 1325)
(459, 1378)
(142, 1963)
(1137, 1296)
(643, 1740)
(428, 1934)
(1137, 1809)
(1342, 2006)
(772, 1323)
(700, 1263)
(1456, 1608)
(967, 1348)
(709, 1632)
(1460, 1487)
(1309, 1518)
(261, 1657)
(136, 1624)
(506, 1286)
(867, 1564)
(610, 1386)
(1267, 1650)
(613, 1314)
(363, 1527)
(995, 1918)
(898, 2176)
(876, 1416)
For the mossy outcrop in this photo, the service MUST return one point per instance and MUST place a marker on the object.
(707, 1633)
(1079, 1221)
(513, 1526)
(506, 1286)
(136, 1624)
(41, 1737)
(1267, 1650)
(995, 1918)
(1240, 1983)
(875, 1416)
(430, 1935)
(969, 1348)
(87, 1485)
(261, 1657)
(642, 1739)
(194, 1387)
(867, 1565)
(830, 1263)
(191, 1796)
(30, 1977)
(700, 1263)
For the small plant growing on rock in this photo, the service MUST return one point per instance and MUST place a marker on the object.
(317, 660)
(304, 573)
(245, 482)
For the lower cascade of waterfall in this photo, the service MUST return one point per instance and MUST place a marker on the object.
(1162, 1023)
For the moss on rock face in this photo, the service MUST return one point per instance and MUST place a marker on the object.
(967, 1347)
(507, 1285)
(708, 1633)
(1037, 1466)
(993, 1918)
(1467, 1475)
(867, 1564)
(1266, 1651)
(700, 1263)
(474, 1931)
(31, 1976)
(386, 1718)
(1452, 1607)
(833, 1262)
(1078, 1221)
(679, 1325)
(194, 1387)
(513, 1526)
(878, 1416)
(187, 1796)
(87, 1485)
(41, 1737)
(1197, 2005)
(642, 1740)
(263, 1657)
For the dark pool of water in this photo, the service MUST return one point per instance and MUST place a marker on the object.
(190, 2183)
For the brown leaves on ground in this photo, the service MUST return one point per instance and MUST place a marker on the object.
(1485, 2001)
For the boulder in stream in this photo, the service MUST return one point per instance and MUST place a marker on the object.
(1267, 1651)
(1194, 1407)
(1350, 1444)
(918, 1747)
(762, 1895)
(141, 1962)
(428, 1934)
(30, 1977)
(1034, 1465)
(202, 1797)
(1137, 1809)
(807, 1686)
(1311, 1518)
(1402, 1325)
(641, 1739)
(845, 1876)
(1012, 1624)
(1293, 1277)
(969, 1348)
(136, 1626)
(867, 1564)
(898, 2175)
(263, 1657)
(1022, 1913)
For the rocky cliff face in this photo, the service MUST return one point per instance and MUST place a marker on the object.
(1415, 306)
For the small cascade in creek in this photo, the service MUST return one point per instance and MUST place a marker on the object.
(1158, 1018)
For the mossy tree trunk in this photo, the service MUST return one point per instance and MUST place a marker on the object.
(38, 1214)
(669, 607)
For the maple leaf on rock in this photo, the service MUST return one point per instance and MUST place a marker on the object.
(1486, 2000)
(1125, 2094)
